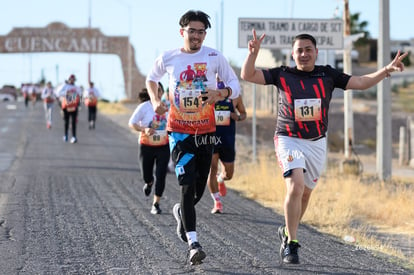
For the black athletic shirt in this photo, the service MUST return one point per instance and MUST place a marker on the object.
(304, 99)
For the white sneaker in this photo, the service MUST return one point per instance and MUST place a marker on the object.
(155, 209)
(73, 140)
(197, 255)
(180, 227)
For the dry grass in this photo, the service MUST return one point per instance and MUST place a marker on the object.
(404, 100)
(340, 205)
(113, 108)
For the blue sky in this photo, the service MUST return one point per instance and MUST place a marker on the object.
(153, 27)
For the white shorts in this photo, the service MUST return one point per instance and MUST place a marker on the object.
(301, 153)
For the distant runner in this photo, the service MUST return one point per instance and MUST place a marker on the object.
(227, 113)
(48, 98)
(90, 98)
(69, 95)
(153, 145)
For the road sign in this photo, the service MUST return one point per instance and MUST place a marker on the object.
(280, 32)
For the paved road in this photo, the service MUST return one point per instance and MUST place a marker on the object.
(79, 209)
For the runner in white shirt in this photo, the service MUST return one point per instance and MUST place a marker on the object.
(25, 92)
(90, 98)
(192, 71)
(48, 98)
(153, 148)
(69, 96)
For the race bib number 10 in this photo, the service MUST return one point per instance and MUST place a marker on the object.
(222, 118)
(308, 109)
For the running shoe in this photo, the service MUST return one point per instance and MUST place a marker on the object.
(197, 254)
(218, 208)
(73, 140)
(222, 188)
(147, 189)
(155, 209)
(290, 253)
(283, 239)
(180, 227)
(65, 138)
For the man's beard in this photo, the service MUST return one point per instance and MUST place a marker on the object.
(195, 46)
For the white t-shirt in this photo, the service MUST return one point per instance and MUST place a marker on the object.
(93, 91)
(70, 95)
(69, 88)
(190, 74)
(144, 116)
(47, 93)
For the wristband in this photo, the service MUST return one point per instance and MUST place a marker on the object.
(228, 92)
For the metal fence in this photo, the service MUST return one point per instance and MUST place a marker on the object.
(266, 96)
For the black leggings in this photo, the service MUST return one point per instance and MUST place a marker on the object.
(160, 156)
(91, 113)
(66, 116)
(192, 159)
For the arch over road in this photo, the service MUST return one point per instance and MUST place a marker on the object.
(58, 37)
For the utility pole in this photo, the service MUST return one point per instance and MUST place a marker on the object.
(89, 37)
(57, 74)
(347, 64)
(221, 25)
(384, 140)
(129, 88)
(254, 144)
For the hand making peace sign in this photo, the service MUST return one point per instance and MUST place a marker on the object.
(254, 44)
(396, 64)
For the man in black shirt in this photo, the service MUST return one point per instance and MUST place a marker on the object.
(300, 143)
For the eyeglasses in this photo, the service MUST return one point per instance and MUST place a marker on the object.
(192, 31)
